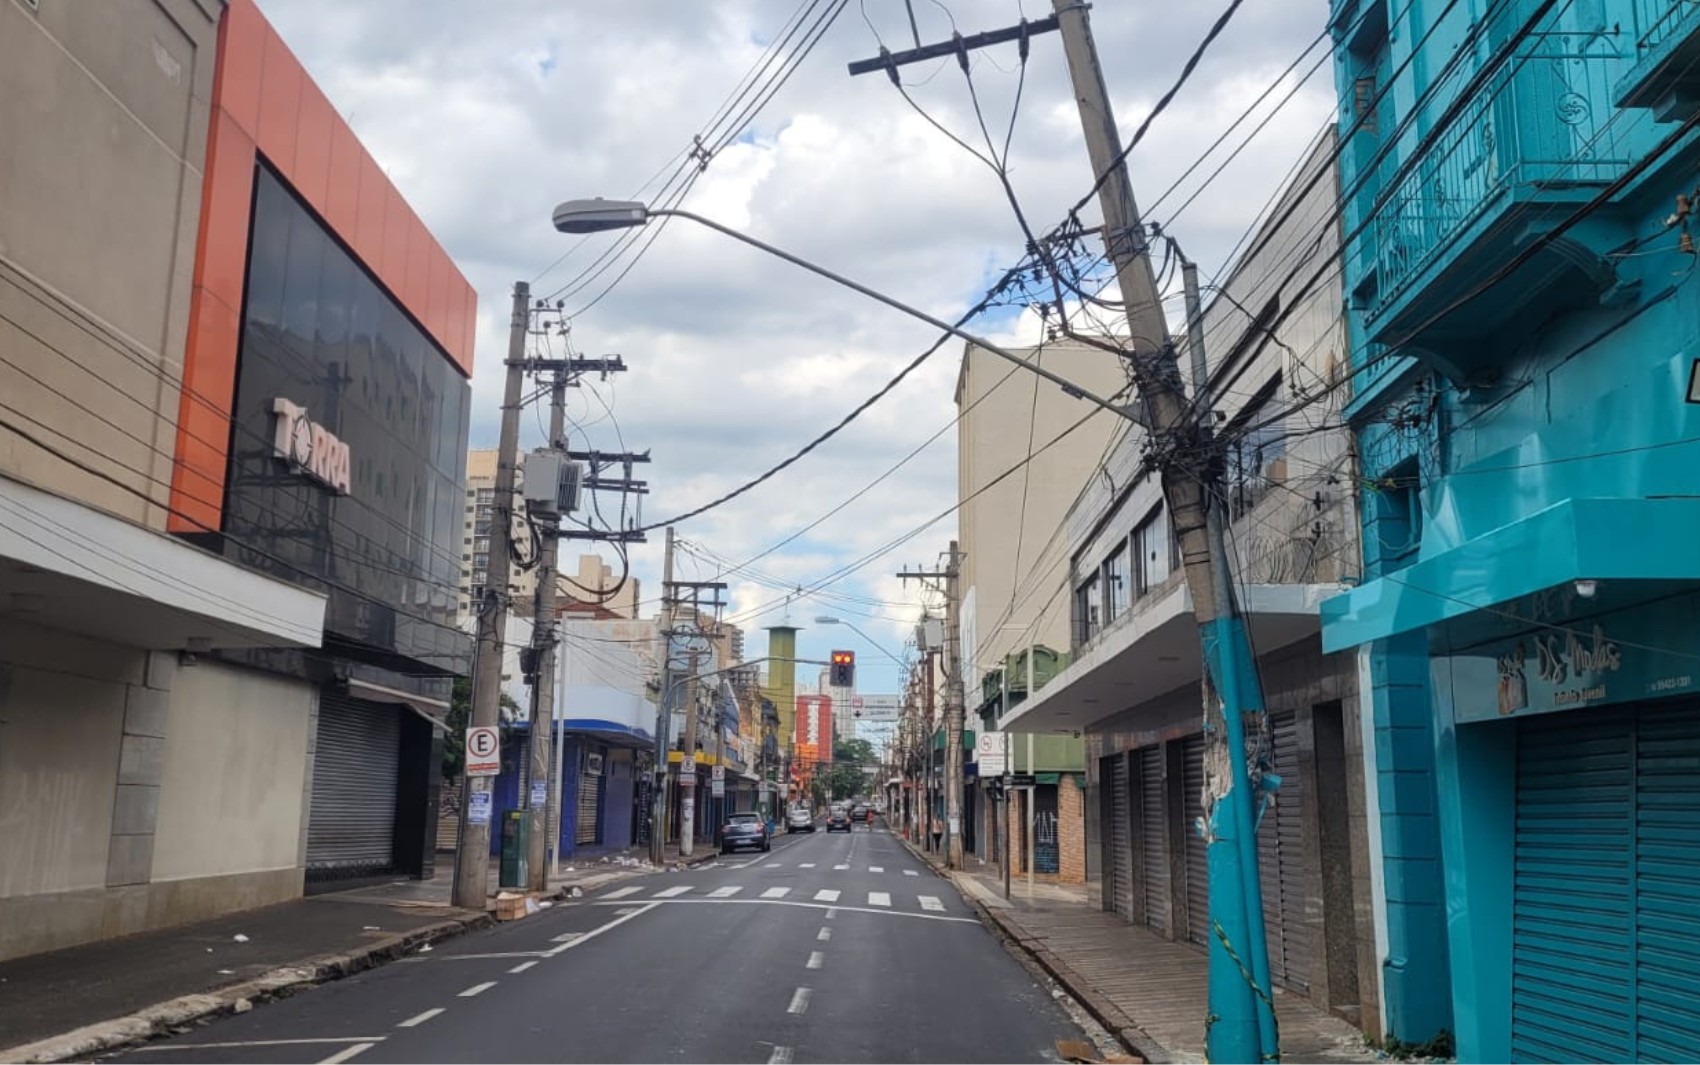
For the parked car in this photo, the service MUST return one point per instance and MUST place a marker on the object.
(744, 830)
(838, 820)
(799, 820)
(861, 812)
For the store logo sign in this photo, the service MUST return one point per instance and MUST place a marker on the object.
(310, 448)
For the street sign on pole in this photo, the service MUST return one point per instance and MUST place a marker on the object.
(717, 774)
(483, 751)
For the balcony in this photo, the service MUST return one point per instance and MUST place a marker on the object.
(1537, 141)
(1666, 74)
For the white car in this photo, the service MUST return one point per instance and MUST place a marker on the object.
(799, 820)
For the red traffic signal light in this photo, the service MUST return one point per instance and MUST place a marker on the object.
(844, 669)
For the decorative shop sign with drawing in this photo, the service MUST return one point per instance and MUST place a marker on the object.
(309, 448)
(1639, 653)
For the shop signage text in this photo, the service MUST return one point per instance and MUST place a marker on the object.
(310, 448)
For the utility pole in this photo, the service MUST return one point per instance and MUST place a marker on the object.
(472, 857)
(946, 580)
(544, 643)
(663, 713)
(687, 765)
(1242, 1020)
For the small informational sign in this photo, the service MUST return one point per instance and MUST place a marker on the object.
(478, 808)
(688, 764)
(717, 788)
(717, 774)
(988, 753)
(483, 751)
(539, 794)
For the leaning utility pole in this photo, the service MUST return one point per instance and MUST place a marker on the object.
(1241, 1011)
(544, 642)
(946, 580)
(472, 857)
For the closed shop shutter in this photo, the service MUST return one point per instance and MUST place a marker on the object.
(1280, 845)
(1121, 837)
(1667, 869)
(589, 792)
(1046, 854)
(1197, 864)
(355, 767)
(1153, 854)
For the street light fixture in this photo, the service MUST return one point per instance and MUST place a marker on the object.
(601, 216)
(877, 645)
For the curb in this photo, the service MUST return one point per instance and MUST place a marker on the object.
(1120, 1025)
(85, 1042)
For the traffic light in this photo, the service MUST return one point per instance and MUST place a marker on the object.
(844, 669)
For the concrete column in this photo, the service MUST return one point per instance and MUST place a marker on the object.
(141, 765)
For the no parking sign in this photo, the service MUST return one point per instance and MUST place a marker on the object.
(483, 751)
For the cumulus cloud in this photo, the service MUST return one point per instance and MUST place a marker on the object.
(485, 116)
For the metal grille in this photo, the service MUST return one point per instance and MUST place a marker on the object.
(1121, 838)
(1197, 864)
(1153, 851)
(355, 763)
(589, 791)
(1280, 849)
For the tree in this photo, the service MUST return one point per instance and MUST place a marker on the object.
(460, 712)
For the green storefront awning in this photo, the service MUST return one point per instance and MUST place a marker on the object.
(967, 739)
(1048, 778)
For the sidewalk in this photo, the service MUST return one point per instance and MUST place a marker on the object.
(78, 1002)
(1148, 990)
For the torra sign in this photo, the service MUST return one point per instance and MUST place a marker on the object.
(310, 447)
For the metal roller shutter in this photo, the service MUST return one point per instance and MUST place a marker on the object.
(589, 792)
(351, 826)
(1121, 838)
(1153, 853)
(1280, 846)
(1197, 864)
(1667, 871)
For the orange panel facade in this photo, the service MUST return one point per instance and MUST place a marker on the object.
(265, 105)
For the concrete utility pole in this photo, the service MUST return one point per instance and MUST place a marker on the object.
(687, 765)
(545, 641)
(472, 857)
(946, 581)
(663, 713)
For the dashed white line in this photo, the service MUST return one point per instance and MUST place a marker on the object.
(840, 868)
(347, 1054)
(522, 967)
(876, 868)
(478, 989)
(620, 893)
(416, 1021)
(771, 865)
(625, 914)
(724, 892)
(816, 960)
(879, 898)
(910, 872)
(826, 895)
(831, 912)
(368, 1040)
(799, 1000)
(566, 937)
(805, 865)
(931, 902)
(776, 893)
(780, 1056)
(672, 892)
(824, 934)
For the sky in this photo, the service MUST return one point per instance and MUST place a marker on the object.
(485, 116)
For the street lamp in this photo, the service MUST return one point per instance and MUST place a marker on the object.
(853, 628)
(600, 216)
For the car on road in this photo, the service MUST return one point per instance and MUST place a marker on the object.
(838, 820)
(861, 812)
(799, 820)
(744, 830)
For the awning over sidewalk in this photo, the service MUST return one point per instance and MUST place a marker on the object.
(70, 567)
(1156, 649)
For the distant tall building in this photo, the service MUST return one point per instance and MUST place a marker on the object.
(598, 588)
(475, 536)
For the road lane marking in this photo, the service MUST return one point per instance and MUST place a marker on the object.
(668, 893)
(841, 868)
(826, 895)
(419, 1019)
(566, 937)
(771, 865)
(522, 966)
(780, 1056)
(816, 960)
(799, 1000)
(805, 865)
(626, 909)
(477, 989)
(347, 1054)
(876, 868)
(910, 872)
(931, 902)
(497, 954)
(776, 893)
(624, 916)
(824, 934)
(620, 893)
(879, 898)
(725, 892)
(831, 912)
(154, 1048)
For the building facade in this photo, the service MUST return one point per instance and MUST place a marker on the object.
(1518, 186)
(1131, 684)
(477, 512)
(228, 457)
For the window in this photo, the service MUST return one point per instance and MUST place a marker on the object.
(1117, 596)
(481, 560)
(1256, 450)
(1151, 550)
(1088, 609)
(486, 497)
(482, 545)
(1398, 514)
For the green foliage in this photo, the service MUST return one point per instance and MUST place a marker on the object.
(460, 713)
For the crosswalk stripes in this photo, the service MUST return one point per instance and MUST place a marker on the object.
(876, 868)
(879, 898)
(930, 902)
(840, 868)
(776, 893)
(724, 892)
(620, 893)
(830, 896)
(826, 895)
(805, 865)
(672, 892)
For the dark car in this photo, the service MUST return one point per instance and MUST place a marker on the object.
(838, 820)
(860, 812)
(744, 830)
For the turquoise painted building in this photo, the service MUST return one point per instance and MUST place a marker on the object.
(1518, 179)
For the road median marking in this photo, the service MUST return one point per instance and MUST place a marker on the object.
(816, 960)
(799, 1000)
(347, 1055)
(477, 989)
(420, 1018)
(624, 916)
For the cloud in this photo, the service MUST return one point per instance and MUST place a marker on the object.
(485, 116)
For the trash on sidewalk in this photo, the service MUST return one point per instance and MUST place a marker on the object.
(425, 948)
(240, 938)
(577, 892)
(511, 906)
(241, 1005)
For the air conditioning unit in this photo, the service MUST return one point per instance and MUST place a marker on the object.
(553, 482)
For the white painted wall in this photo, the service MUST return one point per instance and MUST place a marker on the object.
(61, 725)
(235, 761)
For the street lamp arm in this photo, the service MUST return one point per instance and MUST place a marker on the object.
(1131, 412)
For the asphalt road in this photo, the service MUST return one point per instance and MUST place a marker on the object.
(829, 948)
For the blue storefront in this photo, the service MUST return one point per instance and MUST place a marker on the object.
(601, 807)
(1525, 331)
